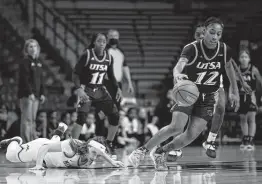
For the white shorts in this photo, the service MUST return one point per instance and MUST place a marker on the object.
(29, 151)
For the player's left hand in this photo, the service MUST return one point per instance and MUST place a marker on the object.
(130, 88)
(118, 164)
(234, 101)
(247, 88)
(42, 99)
(37, 167)
(119, 95)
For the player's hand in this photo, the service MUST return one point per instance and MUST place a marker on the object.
(119, 95)
(32, 97)
(118, 164)
(37, 167)
(234, 101)
(80, 92)
(131, 88)
(42, 99)
(247, 88)
(179, 77)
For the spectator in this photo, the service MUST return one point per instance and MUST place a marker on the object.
(41, 124)
(71, 125)
(66, 118)
(162, 115)
(3, 120)
(89, 127)
(52, 123)
(30, 88)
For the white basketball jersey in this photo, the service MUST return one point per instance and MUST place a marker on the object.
(66, 158)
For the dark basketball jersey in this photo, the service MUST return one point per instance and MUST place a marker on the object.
(248, 77)
(95, 69)
(206, 71)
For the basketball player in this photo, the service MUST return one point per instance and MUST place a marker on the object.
(89, 76)
(53, 153)
(204, 61)
(220, 106)
(248, 106)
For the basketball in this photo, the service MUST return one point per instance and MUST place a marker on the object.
(185, 93)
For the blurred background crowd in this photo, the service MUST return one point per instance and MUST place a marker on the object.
(151, 47)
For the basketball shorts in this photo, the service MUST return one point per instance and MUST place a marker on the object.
(29, 151)
(112, 91)
(247, 103)
(100, 99)
(203, 108)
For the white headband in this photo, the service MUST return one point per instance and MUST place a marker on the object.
(97, 145)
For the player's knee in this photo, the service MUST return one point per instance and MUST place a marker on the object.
(113, 119)
(81, 118)
(220, 108)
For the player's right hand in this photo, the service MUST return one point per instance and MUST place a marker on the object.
(234, 100)
(118, 164)
(179, 77)
(80, 92)
(37, 167)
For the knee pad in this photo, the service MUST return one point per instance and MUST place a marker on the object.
(81, 118)
(113, 119)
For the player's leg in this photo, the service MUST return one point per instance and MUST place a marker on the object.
(244, 129)
(179, 120)
(251, 118)
(81, 119)
(217, 122)
(195, 127)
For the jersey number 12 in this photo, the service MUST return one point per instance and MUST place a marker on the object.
(97, 78)
(210, 81)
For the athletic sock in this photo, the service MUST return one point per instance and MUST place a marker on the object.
(211, 137)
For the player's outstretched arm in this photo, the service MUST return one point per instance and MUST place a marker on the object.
(234, 97)
(243, 83)
(110, 160)
(50, 147)
(178, 69)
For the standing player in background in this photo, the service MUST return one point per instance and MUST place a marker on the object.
(30, 88)
(204, 61)
(89, 76)
(248, 106)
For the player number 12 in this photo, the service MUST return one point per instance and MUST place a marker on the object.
(210, 81)
(97, 78)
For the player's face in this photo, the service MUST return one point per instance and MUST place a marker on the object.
(244, 59)
(213, 34)
(199, 33)
(100, 43)
(32, 49)
(92, 155)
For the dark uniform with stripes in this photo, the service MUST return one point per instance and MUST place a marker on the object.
(205, 68)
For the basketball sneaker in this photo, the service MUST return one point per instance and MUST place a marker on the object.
(244, 143)
(174, 155)
(159, 160)
(111, 150)
(59, 132)
(6, 142)
(136, 156)
(250, 144)
(210, 148)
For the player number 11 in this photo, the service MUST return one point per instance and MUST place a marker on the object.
(97, 78)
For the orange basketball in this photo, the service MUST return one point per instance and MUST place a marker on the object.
(185, 93)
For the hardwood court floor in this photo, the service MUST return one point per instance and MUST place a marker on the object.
(230, 166)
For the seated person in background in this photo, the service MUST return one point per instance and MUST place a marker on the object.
(52, 123)
(3, 120)
(41, 124)
(89, 128)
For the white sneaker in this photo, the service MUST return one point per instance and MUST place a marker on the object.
(159, 160)
(62, 127)
(136, 156)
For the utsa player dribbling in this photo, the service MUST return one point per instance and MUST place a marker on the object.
(89, 76)
(248, 106)
(203, 62)
(70, 153)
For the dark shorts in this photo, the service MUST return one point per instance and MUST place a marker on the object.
(112, 91)
(247, 104)
(203, 108)
(100, 99)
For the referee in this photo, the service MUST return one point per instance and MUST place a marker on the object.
(120, 67)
